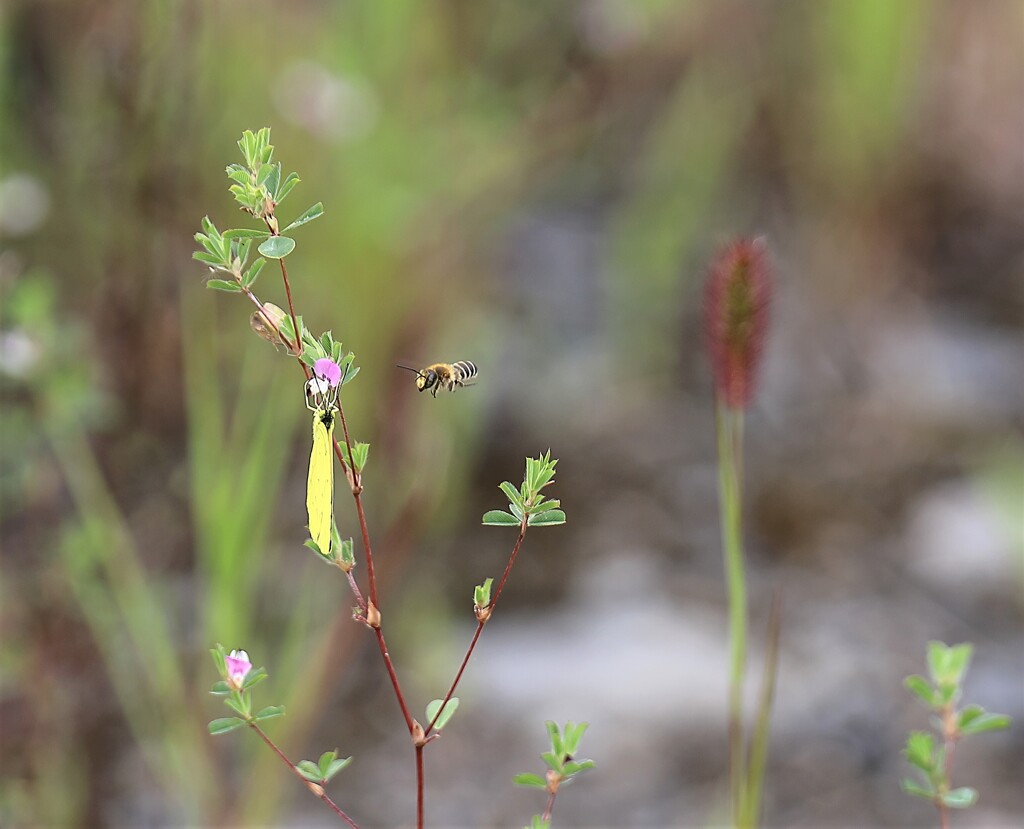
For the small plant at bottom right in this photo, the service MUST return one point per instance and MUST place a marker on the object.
(933, 757)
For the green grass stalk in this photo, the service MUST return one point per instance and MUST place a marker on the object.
(729, 429)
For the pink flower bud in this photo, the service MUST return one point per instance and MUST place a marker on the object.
(736, 303)
(326, 369)
(238, 667)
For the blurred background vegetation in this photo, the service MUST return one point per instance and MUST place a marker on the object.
(535, 187)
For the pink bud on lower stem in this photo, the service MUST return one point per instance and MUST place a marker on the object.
(736, 300)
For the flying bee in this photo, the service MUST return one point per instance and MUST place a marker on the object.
(443, 376)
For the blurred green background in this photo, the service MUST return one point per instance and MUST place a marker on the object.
(536, 187)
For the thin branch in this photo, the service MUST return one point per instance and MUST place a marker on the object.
(272, 227)
(550, 807)
(318, 790)
(508, 567)
(479, 629)
(371, 577)
(419, 787)
(291, 306)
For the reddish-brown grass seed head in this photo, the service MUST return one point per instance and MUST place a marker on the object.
(736, 303)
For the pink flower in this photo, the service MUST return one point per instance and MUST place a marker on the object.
(326, 369)
(238, 667)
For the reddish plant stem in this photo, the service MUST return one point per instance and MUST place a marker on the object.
(319, 792)
(508, 567)
(371, 578)
(368, 551)
(479, 628)
(550, 807)
(272, 227)
(458, 676)
(356, 487)
(355, 590)
(419, 787)
(291, 308)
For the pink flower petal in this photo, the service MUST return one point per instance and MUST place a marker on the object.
(327, 369)
(238, 666)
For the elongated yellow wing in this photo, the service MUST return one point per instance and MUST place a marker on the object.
(320, 483)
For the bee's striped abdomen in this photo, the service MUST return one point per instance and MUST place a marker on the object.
(465, 371)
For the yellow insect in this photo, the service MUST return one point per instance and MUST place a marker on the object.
(444, 375)
(322, 400)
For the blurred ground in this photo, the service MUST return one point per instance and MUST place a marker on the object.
(537, 188)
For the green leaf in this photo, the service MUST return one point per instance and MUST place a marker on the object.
(336, 766)
(256, 675)
(554, 760)
(286, 187)
(245, 233)
(224, 285)
(500, 518)
(239, 707)
(208, 243)
(916, 789)
(225, 724)
(960, 798)
(547, 519)
(325, 761)
(220, 688)
(273, 180)
(511, 493)
(310, 770)
(210, 259)
(984, 722)
(516, 511)
(250, 275)
(572, 734)
(219, 659)
(270, 712)
(346, 552)
(449, 710)
(554, 735)
(482, 593)
(529, 779)
(239, 174)
(277, 247)
(920, 750)
(210, 228)
(920, 687)
(314, 212)
(573, 767)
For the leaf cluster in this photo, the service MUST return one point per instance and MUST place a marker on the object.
(258, 187)
(527, 505)
(314, 349)
(324, 769)
(941, 692)
(560, 759)
(342, 552)
(238, 700)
